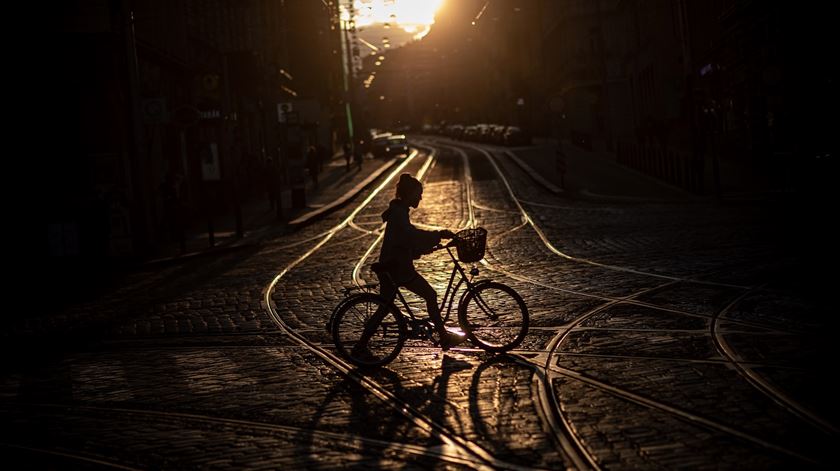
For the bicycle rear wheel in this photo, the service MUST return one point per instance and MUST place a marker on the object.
(494, 317)
(386, 331)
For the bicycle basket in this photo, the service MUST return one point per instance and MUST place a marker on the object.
(470, 244)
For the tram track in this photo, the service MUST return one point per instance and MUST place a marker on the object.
(562, 433)
(551, 410)
(526, 217)
(349, 441)
(722, 346)
(757, 381)
(528, 221)
(547, 371)
(459, 450)
(552, 370)
(478, 456)
(574, 446)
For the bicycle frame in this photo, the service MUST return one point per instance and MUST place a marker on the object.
(449, 295)
(404, 325)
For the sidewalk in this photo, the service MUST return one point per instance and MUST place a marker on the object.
(593, 174)
(81, 280)
(336, 186)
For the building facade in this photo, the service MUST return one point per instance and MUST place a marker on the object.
(172, 112)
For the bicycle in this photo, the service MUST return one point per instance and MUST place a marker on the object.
(493, 316)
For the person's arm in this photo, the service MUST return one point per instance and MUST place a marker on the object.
(410, 238)
(429, 239)
(423, 240)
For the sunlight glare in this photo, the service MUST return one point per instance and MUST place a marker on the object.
(413, 16)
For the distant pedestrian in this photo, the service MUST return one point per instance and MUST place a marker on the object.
(323, 156)
(347, 154)
(312, 164)
(357, 155)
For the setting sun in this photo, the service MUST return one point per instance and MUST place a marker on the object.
(413, 16)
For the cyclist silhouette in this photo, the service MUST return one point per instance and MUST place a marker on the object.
(403, 243)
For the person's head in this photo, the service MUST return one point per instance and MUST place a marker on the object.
(409, 190)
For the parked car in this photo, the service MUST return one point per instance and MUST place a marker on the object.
(496, 133)
(376, 135)
(396, 144)
(454, 131)
(515, 136)
(470, 133)
(390, 145)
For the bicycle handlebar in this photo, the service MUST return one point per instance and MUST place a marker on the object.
(451, 243)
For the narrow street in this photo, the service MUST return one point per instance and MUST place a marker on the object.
(662, 334)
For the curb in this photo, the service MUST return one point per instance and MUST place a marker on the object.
(650, 178)
(252, 238)
(589, 195)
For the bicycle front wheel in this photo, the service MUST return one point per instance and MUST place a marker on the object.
(368, 331)
(494, 317)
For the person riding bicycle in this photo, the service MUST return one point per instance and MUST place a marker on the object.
(404, 243)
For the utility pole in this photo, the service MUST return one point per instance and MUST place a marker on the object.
(606, 107)
(139, 188)
(347, 56)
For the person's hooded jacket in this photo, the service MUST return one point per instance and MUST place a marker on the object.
(403, 242)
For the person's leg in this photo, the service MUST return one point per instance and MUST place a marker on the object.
(422, 288)
(387, 290)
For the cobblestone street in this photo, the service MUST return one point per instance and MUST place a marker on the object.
(667, 334)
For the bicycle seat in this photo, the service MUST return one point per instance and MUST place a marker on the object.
(380, 267)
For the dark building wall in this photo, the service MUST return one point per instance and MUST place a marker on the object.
(657, 133)
(583, 47)
(89, 180)
(132, 92)
(690, 91)
(765, 89)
